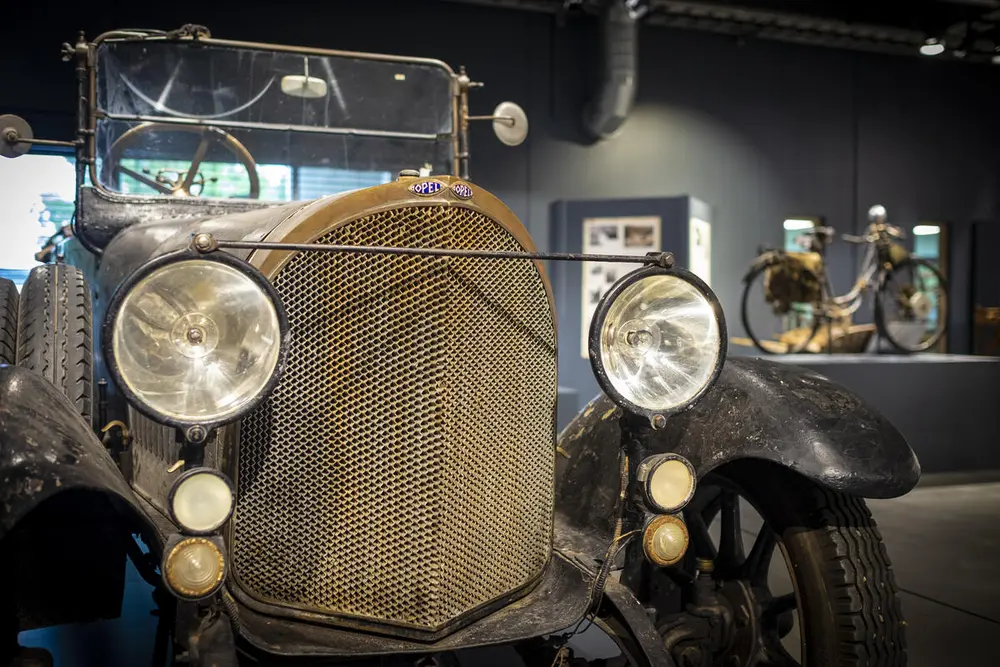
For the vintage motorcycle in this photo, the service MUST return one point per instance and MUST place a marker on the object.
(788, 298)
(325, 429)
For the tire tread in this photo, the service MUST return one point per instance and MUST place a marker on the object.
(8, 322)
(54, 332)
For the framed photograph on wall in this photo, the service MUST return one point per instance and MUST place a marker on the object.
(635, 235)
(700, 249)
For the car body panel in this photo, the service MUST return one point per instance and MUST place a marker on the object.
(47, 448)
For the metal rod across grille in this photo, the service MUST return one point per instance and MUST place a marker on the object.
(207, 243)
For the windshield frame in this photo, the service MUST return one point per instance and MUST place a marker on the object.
(190, 35)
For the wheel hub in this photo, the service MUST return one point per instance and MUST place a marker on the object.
(920, 304)
(733, 625)
(746, 630)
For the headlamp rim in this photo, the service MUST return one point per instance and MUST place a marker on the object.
(600, 315)
(176, 257)
(187, 474)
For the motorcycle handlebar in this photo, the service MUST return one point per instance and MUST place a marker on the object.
(889, 230)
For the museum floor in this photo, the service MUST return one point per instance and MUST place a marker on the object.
(943, 539)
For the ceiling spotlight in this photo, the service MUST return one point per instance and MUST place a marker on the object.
(932, 47)
(926, 230)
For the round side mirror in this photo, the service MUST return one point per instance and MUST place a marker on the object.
(12, 130)
(510, 123)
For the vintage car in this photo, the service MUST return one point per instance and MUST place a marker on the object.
(320, 420)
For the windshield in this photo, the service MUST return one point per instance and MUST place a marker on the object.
(200, 119)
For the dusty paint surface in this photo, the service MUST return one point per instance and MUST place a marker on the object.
(758, 409)
(47, 448)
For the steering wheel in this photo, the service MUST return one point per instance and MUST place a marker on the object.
(187, 183)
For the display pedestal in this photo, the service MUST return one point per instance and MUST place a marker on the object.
(947, 406)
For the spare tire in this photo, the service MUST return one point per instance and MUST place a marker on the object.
(54, 335)
(8, 321)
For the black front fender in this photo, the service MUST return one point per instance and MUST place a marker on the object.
(758, 409)
(46, 448)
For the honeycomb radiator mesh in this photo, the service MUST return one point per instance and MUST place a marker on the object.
(403, 469)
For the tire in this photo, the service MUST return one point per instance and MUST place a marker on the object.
(751, 279)
(8, 322)
(845, 588)
(880, 310)
(54, 336)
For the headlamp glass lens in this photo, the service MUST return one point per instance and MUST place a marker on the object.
(196, 340)
(665, 540)
(660, 342)
(670, 485)
(194, 567)
(202, 502)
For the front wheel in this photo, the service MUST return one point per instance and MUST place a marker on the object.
(773, 329)
(911, 306)
(829, 599)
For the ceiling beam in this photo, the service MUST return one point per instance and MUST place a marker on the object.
(756, 22)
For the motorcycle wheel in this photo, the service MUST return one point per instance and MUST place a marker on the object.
(54, 335)
(843, 597)
(8, 321)
(759, 327)
(914, 281)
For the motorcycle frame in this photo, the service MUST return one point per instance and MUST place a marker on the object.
(849, 303)
(870, 275)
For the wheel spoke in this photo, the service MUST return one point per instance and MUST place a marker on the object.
(710, 507)
(199, 157)
(705, 496)
(758, 562)
(780, 604)
(731, 554)
(142, 178)
(702, 541)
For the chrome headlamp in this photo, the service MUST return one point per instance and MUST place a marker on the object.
(657, 341)
(195, 339)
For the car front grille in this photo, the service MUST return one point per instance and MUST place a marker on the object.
(402, 471)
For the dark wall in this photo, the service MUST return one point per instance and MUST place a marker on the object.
(760, 130)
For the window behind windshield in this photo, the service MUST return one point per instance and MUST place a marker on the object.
(37, 202)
